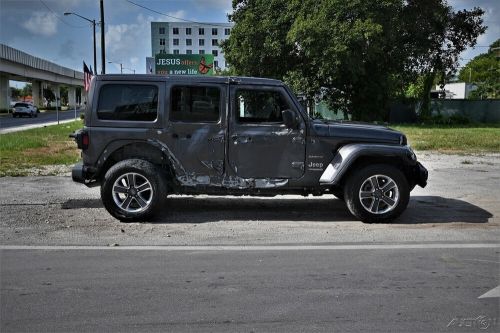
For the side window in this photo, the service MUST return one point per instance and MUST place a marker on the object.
(195, 104)
(260, 106)
(132, 102)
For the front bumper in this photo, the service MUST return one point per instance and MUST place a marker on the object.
(421, 175)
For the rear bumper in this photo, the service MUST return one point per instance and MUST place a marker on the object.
(421, 175)
(78, 173)
(83, 174)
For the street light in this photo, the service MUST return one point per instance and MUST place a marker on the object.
(93, 26)
(118, 63)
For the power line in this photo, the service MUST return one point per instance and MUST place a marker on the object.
(60, 18)
(173, 17)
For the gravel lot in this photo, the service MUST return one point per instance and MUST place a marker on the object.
(460, 204)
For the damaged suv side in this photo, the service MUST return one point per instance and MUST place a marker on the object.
(149, 136)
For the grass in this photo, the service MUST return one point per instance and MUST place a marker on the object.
(453, 138)
(34, 148)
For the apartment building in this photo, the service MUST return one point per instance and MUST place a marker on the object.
(190, 38)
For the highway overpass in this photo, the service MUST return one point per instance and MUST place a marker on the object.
(20, 66)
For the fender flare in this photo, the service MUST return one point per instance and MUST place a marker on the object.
(115, 145)
(348, 154)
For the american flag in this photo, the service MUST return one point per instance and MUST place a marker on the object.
(87, 76)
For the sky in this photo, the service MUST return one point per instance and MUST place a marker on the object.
(39, 27)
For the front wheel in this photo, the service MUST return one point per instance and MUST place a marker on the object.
(377, 193)
(133, 190)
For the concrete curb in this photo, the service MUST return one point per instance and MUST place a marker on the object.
(27, 127)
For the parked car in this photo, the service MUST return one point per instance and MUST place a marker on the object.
(148, 136)
(24, 109)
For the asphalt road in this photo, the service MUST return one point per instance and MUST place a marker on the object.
(381, 290)
(8, 122)
(287, 264)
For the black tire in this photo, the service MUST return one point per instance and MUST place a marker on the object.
(338, 192)
(14, 116)
(384, 208)
(36, 116)
(120, 172)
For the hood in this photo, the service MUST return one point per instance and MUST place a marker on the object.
(357, 131)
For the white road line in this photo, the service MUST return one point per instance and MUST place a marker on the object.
(493, 293)
(254, 247)
(481, 260)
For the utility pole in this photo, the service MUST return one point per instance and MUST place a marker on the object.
(103, 52)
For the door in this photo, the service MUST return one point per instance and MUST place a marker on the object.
(260, 145)
(194, 130)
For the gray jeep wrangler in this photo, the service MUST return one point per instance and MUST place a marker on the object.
(148, 136)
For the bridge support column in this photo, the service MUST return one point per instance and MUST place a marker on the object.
(57, 93)
(4, 92)
(36, 87)
(71, 97)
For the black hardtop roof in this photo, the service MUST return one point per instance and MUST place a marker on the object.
(188, 78)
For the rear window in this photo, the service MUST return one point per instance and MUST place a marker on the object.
(128, 102)
(195, 104)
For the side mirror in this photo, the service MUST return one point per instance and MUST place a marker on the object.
(290, 119)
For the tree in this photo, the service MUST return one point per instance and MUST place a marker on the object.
(360, 53)
(15, 93)
(49, 96)
(27, 90)
(484, 71)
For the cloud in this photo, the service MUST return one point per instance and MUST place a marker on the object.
(179, 14)
(67, 49)
(130, 43)
(42, 23)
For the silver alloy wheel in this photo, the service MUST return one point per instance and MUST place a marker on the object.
(132, 192)
(379, 194)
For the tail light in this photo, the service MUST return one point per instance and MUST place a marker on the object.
(85, 140)
(82, 138)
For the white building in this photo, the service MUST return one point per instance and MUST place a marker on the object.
(190, 38)
(457, 90)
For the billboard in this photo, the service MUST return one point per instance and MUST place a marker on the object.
(184, 64)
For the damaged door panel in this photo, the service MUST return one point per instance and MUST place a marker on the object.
(260, 144)
(195, 130)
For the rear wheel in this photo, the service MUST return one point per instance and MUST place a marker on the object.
(377, 193)
(133, 190)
